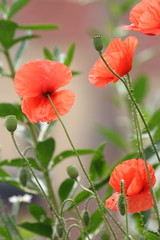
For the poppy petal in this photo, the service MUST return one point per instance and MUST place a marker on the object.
(39, 109)
(41, 76)
(136, 203)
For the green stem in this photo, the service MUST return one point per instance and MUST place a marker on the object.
(10, 63)
(32, 131)
(74, 226)
(125, 204)
(38, 183)
(100, 205)
(148, 131)
(135, 104)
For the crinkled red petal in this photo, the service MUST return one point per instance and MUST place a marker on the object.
(137, 203)
(39, 109)
(41, 76)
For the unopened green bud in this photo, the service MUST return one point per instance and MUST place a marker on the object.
(104, 235)
(72, 172)
(121, 203)
(60, 228)
(23, 176)
(85, 218)
(98, 43)
(11, 123)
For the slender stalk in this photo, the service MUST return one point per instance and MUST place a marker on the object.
(32, 131)
(52, 207)
(135, 104)
(125, 204)
(9, 63)
(100, 205)
(149, 134)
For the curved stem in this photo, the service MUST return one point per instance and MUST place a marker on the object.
(100, 205)
(74, 226)
(10, 63)
(149, 134)
(53, 210)
(135, 104)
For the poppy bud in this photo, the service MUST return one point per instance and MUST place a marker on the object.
(59, 228)
(104, 235)
(23, 177)
(72, 172)
(121, 203)
(85, 218)
(11, 123)
(98, 43)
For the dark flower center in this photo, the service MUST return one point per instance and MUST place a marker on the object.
(46, 94)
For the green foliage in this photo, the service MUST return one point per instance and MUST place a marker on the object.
(96, 220)
(140, 88)
(69, 56)
(66, 189)
(7, 32)
(11, 109)
(16, 6)
(40, 228)
(38, 212)
(44, 151)
(150, 235)
(39, 27)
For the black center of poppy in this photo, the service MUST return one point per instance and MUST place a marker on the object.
(46, 94)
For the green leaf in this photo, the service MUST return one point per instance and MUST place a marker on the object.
(20, 39)
(69, 56)
(3, 232)
(7, 32)
(98, 167)
(70, 153)
(56, 54)
(74, 73)
(39, 27)
(44, 151)
(19, 162)
(140, 88)
(11, 109)
(155, 120)
(37, 212)
(96, 220)
(150, 235)
(139, 221)
(47, 54)
(112, 136)
(41, 229)
(16, 6)
(66, 188)
(81, 197)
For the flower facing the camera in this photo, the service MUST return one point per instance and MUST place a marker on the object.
(119, 56)
(36, 80)
(137, 188)
(145, 17)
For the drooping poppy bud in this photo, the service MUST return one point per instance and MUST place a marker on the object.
(11, 123)
(59, 228)
(85, 218)
(23, 177)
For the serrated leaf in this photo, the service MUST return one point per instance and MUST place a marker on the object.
(39, 27)
(70, 153)
(37, 212)
(66, 188)
(16, 6)
(69, 55)
(112, 136)
(44, 151)
(140, 88)
(41, 229)
(11, 109)
(47, 54)
(7, 32)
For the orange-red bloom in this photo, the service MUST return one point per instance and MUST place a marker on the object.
(145, 17)
(34, 80)
(137, 186)
(119, 57)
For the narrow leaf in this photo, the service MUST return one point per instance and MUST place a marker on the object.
(7, 32)
(47, 54)
(39, 27)
(66, 188)
(16, 6)
(96, 220)
(69, 55)
(140, 88)
(20, 39)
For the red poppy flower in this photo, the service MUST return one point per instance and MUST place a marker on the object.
(34, 80)
(119, 57)
(145, 17)
(137, 186)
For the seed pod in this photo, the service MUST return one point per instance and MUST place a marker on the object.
(11, 123)
(23, 176)
(59, 228)
(121, 203)
(104, 235)
(85, 218)
(98, 43)
(72, 172)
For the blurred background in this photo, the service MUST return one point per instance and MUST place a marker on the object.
(79, 21)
